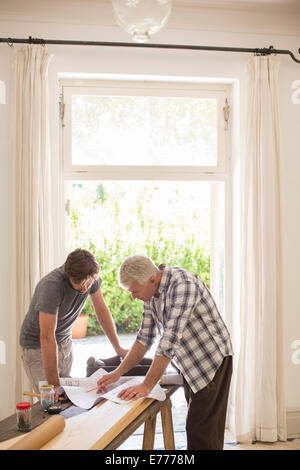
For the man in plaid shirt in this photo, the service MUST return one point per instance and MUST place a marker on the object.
(179, 306)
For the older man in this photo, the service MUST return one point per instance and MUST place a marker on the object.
(193, 334)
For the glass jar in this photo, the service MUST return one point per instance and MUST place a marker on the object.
(46, 396)
(23, 410)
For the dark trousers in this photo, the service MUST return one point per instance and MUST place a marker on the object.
(205, 423)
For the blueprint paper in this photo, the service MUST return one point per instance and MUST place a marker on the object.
(157, 392)
(76, 389)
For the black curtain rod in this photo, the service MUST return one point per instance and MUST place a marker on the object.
(257, 51)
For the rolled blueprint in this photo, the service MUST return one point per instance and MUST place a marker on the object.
(39, 436)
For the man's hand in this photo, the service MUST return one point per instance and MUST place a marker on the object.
(56, 395)
(135, 392)
(133, 357)
(106, 380)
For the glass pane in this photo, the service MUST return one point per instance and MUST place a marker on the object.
(172, 222)
(142, 130)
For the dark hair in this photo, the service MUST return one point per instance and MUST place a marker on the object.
(81, 264)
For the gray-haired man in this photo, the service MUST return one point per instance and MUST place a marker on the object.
(193, 335)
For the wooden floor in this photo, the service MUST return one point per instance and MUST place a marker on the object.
(291, 444)
(135, 442)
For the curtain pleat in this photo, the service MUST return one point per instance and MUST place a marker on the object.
(260, 406)
(33, 186)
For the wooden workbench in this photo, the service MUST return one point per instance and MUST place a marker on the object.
(98, 437)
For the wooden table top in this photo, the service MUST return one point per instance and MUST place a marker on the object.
(9, 428)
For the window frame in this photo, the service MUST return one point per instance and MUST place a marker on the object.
(141, 87)
(135, 88)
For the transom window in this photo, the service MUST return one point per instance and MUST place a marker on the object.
(165, 126)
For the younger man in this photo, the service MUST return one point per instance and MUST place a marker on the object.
(59, 297)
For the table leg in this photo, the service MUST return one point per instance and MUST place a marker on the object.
(149, 433)
(167, 424)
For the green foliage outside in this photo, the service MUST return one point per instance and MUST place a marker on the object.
(175, 246)
(126, 312)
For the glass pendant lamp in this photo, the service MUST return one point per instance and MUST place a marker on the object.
(142, 18)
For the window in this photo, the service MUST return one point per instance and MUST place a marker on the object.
(158, 150)
(170, 129)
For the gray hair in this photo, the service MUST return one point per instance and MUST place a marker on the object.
(136, 268)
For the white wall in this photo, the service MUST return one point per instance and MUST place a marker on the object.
(156, 62)
(7, 260)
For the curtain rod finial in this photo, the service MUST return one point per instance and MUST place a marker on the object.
(293, 57)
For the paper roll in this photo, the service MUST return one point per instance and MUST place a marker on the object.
(35, 439)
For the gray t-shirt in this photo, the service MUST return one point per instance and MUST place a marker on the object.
(54, 294)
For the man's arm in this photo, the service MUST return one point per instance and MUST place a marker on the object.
(106, 321)
(49, 347)
(136, 353)
(158, 367)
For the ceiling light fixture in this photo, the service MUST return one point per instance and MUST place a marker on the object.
(142, 18)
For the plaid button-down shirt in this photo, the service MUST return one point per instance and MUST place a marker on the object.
(193, 333)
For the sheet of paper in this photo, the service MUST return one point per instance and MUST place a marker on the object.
(76, 389)
(84, 382)
(157, 392)
(80, 396)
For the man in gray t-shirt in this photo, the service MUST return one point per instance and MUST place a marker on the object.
(59, 297)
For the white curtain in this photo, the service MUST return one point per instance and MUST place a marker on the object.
(260, 404)
(33, 188)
